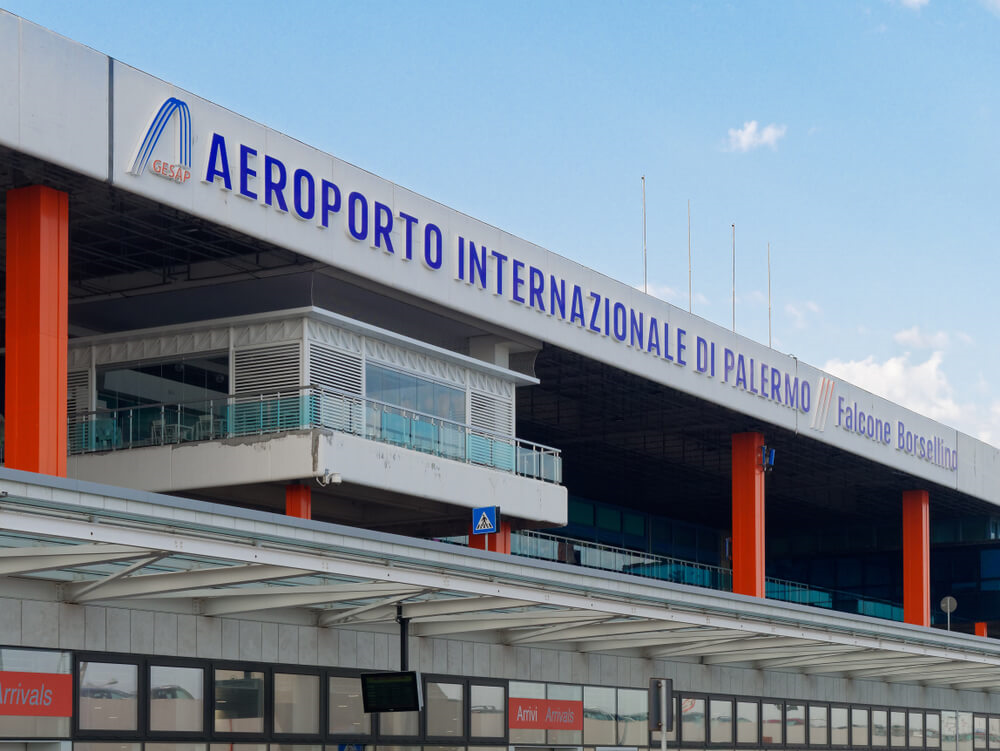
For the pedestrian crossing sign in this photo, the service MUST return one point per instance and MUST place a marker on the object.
(485, 520)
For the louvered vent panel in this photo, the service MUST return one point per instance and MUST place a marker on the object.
(491, 413)
(266, 370)
(77, 392)
(335, 369)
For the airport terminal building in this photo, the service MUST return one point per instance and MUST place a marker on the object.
(261, 406)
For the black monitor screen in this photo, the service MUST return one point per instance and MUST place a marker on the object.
(391, 692)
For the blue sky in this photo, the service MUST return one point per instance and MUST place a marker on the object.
(859, 138)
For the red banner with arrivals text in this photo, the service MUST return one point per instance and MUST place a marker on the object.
(544, 714)
(36, 694)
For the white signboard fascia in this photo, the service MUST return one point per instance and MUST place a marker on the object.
(268, 185)
(10, 71)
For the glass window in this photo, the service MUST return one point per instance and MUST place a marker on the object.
(795, 724)
(932, 729)
(949, 731)
(78, 746)
(565, 693)
(692, 720)
(239, 701)
(174, 746)
(176, 699)
(347, 711)
(488, 713)
(897, 728)
(53, 672)
(979, 732)
(818, 724)
(994, 732)
(108, 696)
(296, 703)
(444, 706)
(880, 727)
(746, 722)
(720, 721)
(839, 732)
(771, 723)
(633, 717)
(599, 716)
(294, 747)
(965, 731)
(413, 393)
(524, 690)
(859, 727)
(399, 723)
(915, 734)
(242, 747)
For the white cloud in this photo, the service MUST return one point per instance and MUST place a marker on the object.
(914, 337)
(750, 136)
(924, 388)
(673, 296)
(993, 6)
(800, 312)
(913, 4)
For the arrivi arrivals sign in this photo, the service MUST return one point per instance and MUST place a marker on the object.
(36, 694)
(545, 714)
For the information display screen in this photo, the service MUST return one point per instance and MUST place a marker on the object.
(391, 692)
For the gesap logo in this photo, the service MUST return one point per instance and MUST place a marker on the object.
(178, 170)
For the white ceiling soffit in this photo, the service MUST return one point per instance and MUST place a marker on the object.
(217, 560)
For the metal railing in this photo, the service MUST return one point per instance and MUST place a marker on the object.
(545, 546)
(310, 407)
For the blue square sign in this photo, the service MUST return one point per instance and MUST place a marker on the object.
(485, 520)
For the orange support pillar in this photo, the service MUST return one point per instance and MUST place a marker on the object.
(981, 629)
(298, 501)
(748, 514)
(498, 542)
(916, 558)
(37, 329)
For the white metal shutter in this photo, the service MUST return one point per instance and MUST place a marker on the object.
(77, 405)
(338, 379)
(496, 415)
(266, 382)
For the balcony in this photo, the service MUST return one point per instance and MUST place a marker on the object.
(304, 409)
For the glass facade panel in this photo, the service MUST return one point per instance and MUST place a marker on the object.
(994, 732)
(107, 695)
(411, 392)
(599, 716)
(525, 690)
(979, 732)
(347, 711)
(399, 723)
(174, 746)
(444, 706)
(176, 699)
(771, 723)
(692, 720)
(564, 737)
(795, 724)
(915, 730)
(818, 725)
(294, 747)
(746, 722)
(880, 727)
(720, 721)
(239, 701)
(296, 703)
(633, 718)
(839, 730)
(932, 729)
(34, 661)
(488, 711)
(949, 731)
(964, 731)
(859, 727)
(241, 747)
(85, 746)
(897, 728)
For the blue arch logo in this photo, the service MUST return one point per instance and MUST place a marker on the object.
(179, 171)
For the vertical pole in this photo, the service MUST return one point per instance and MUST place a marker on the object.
(748, 514)
(690, 298)
(734, 278)
(404, 639)
(916, 558)
(769, 294)
(645, 286)
(37, 329)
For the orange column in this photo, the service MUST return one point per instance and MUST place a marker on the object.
(981, 629)
(498, 542)
(916, 558)
(37, 329)
(298, 501)
(748, 514)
